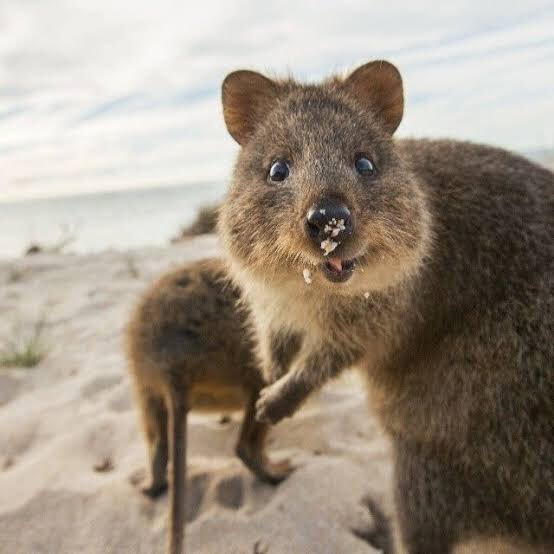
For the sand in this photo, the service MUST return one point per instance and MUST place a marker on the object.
(70, 447)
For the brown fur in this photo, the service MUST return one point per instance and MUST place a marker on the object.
(449, 309)
(189, 347)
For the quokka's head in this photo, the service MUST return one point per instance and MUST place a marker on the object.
(320, 194)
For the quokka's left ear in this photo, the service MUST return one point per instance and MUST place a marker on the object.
(377, 86)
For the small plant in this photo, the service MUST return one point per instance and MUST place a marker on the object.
(68, 235)
(260, 548)
(104, 465)
(15, 274)
(204, 223)
(27, 351)
(132, 267)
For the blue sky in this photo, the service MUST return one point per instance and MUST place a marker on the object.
(103, 95)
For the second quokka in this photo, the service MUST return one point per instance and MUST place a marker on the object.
(189, 348)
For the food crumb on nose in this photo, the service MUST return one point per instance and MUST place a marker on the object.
(307, 276)
(366, 294)
(334, 227)
(328, 246)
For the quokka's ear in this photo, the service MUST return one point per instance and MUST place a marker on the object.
(246, 97)
(377, 86)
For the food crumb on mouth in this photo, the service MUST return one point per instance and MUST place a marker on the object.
(307, 274)
(366, 294)
(328, 246)
(322, 211)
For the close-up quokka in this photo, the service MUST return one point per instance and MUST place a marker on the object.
(428, 263)
(189, 347)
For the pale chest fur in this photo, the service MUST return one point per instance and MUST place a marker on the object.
(353, 324)
(284, 309)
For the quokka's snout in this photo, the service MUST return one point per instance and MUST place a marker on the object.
(329, 227)
(329, 219)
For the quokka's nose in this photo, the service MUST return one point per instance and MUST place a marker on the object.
(328, 220)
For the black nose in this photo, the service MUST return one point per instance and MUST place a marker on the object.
(328, 220)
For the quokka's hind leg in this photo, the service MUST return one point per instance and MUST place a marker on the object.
(154, 419)
(250, 447)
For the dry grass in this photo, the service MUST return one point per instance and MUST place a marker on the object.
(24, 350)
(132, 267)
(15, 275)
(204, 223)
(68, 235)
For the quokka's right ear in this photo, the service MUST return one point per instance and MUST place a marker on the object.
(246, 96)
(377, 86)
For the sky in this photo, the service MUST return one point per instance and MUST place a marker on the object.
(101, 95)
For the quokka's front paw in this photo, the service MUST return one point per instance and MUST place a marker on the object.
(274, 373)
(272, 405)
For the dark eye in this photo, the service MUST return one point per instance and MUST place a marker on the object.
(364, 166)
(278, 171)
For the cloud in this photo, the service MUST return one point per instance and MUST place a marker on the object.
(106, 95)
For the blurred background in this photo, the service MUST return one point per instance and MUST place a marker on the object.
(111, 133)
(112, 144)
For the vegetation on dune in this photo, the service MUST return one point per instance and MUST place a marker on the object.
(24, 350)
(204, 223)
(68, 235)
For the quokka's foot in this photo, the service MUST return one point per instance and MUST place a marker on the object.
(275, 472)
(153, 490)
(265, 470)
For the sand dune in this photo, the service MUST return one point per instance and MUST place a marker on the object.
(70, 447)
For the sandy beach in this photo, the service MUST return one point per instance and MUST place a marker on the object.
(71, 449)
(120, 128)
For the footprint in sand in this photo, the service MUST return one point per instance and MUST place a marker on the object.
(229, 492)
(9, 387)
(119, 400)
(197, 486)
(99, 384)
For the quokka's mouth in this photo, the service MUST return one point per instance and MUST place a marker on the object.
(337, 270)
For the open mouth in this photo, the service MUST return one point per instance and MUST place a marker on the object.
(337, 270)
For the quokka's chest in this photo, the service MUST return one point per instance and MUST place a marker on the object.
(316, 319)
(277, 309)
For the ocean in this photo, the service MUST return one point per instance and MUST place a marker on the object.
(118, 220)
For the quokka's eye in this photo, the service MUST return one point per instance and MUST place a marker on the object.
(364, 166)
(278, 171)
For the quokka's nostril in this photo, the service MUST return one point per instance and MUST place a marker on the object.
(316, 219)
(312, 229)
(341, 213)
